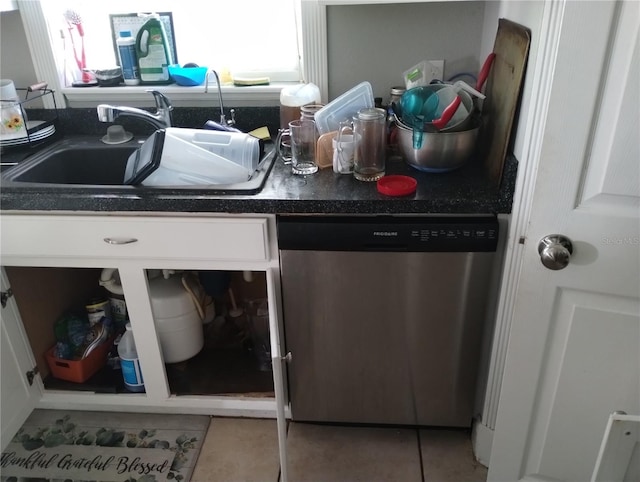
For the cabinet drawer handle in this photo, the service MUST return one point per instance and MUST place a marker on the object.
(120, 240)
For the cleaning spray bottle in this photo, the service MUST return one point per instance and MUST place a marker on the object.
(154, 54)
(129, 362)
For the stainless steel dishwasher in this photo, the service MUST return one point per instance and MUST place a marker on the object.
(384, 315)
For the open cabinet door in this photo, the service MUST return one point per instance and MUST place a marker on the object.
(277, 362)
(19, 392)
(619, 457)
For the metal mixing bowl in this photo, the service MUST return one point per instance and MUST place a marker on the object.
(440, 151)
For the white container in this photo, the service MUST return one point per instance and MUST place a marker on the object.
(193, 157)
(8, 91)
(176, 318)
(237, 147)
(129, 362)
(293, 97)
(13, 123)
(128, 58)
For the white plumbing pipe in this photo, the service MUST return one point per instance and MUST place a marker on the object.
(108, 280)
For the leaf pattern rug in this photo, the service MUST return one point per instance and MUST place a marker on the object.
(81, 446)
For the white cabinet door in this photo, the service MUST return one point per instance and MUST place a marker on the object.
(18, 396)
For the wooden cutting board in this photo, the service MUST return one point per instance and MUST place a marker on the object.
(503, 94)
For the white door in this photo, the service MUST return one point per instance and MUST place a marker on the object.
(18, 396)
(574, 350)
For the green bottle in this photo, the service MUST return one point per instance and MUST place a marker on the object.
(154, 54)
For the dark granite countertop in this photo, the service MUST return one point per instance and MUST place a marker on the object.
(464, 191)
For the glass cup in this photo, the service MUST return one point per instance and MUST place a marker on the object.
(283, 143)
(370, 133)
(307, 112)
(303, 138)
(344, 147)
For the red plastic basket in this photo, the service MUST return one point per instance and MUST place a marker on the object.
(79, 370)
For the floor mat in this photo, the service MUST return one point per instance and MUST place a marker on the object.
(104, 447)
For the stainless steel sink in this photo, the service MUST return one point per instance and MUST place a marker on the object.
(88, 162)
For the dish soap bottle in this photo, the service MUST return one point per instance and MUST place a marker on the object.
(129, 362)
(153, 51)
(128, 58)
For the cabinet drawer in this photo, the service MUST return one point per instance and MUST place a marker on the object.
(135, 237)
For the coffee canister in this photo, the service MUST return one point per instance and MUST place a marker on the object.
(293, 97)
(97, 309)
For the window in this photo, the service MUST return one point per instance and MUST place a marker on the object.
(245, 36)
(290, 34)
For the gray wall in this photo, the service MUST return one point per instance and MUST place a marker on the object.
(15, 59)
(379, 42)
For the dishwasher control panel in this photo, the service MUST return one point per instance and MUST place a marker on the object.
(388, 233)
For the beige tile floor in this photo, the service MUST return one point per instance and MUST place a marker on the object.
(246, 450)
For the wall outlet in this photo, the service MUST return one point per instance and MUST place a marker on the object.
(437, 69)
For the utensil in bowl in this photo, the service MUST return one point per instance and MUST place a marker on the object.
(440, 151)
(463, 116)
(418, 101)
(482, 78)
(419, 107)
(484, 71)
(420, 112)
(460, 106)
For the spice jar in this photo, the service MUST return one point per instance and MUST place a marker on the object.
(393, 152)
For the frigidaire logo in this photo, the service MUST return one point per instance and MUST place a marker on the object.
(385, 233)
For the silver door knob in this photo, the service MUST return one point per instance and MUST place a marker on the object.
(555, 251)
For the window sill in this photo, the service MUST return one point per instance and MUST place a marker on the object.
(199, 96)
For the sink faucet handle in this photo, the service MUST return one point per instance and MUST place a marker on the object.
(162, 101)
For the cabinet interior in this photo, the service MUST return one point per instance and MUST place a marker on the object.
(226, 365)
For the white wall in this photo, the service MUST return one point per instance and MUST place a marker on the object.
(15, 59)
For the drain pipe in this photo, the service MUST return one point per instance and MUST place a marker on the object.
(108, 280)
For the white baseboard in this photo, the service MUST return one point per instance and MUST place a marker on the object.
(538, 478)
(481, 442)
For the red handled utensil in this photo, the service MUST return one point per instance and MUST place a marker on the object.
(484, 72)
(447, 114)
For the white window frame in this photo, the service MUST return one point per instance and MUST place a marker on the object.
(314, 68)
(313, 27)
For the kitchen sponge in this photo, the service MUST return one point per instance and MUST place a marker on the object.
(251, 81)
(261, 133)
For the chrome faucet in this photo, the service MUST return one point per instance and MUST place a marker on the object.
(223, 118)
(160, 119)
